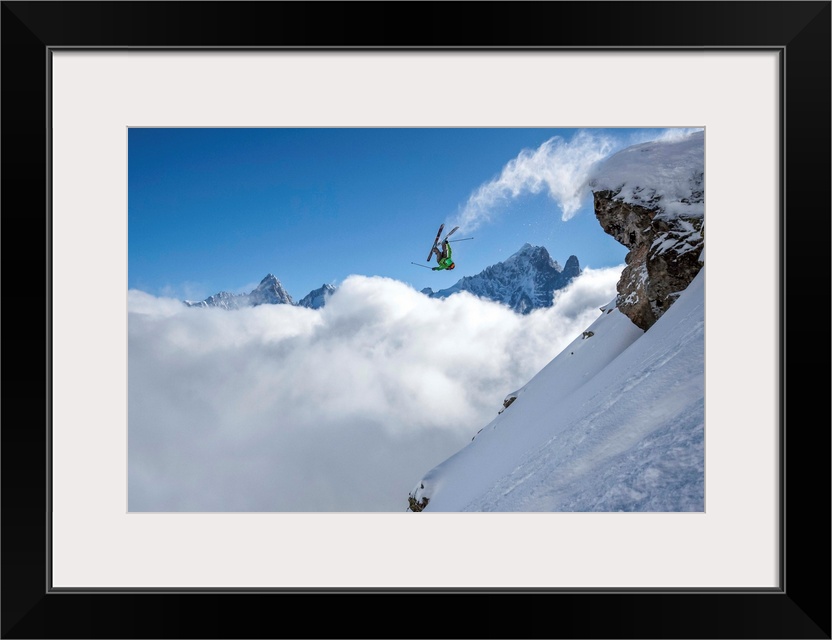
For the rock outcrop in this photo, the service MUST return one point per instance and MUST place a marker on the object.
(651, 198)
(664, 255)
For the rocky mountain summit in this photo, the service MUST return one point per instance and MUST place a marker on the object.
(269, 291)
(525, 281)
(650, 197)
(317, 298)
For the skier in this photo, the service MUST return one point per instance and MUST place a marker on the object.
(443, 258)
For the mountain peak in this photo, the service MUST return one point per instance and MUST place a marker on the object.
(270, 291)
(536, 254)
(526, 249)
(525, 281)
(317, 298)
(530, 250)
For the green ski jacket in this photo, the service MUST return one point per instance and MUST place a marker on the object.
(446, 262)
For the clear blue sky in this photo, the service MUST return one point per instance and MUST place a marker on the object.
(214, 209)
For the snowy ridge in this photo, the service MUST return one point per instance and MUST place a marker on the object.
(269, 291)
(317, 298)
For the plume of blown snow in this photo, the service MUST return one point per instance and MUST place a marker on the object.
(557, 167)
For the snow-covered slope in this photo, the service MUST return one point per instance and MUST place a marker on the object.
(614, 423)
(525, 281)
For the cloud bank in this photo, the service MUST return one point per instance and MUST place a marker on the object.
(557, 167)
(282, 408)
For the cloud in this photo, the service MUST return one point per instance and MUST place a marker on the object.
(557, 167)
(580, 301)
(282, 408)
(185, 291)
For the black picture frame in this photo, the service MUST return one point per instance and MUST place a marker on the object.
(799, 608)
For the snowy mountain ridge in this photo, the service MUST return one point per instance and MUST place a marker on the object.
(525, 281)
(269, 291)
(317, 298)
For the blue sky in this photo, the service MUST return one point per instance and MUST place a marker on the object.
(213, 209)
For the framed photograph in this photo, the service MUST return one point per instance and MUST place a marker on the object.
(93, 94)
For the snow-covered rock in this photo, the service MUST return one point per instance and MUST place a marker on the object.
(651, 198)
(317, 298)
(269, 291)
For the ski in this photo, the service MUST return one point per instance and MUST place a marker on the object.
(450, 233)
(436, 241)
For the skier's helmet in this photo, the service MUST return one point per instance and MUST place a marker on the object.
(451, 266)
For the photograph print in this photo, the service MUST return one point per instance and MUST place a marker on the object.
(416, 320)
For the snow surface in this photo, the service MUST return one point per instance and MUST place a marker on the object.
(616, 422)
(666, 173)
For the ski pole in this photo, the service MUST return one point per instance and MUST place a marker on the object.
(461, 239)
(420, 265)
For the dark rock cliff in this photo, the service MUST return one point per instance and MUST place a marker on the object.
(665, 254)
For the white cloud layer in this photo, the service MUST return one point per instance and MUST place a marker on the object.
(282, 408)
(558, 167)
